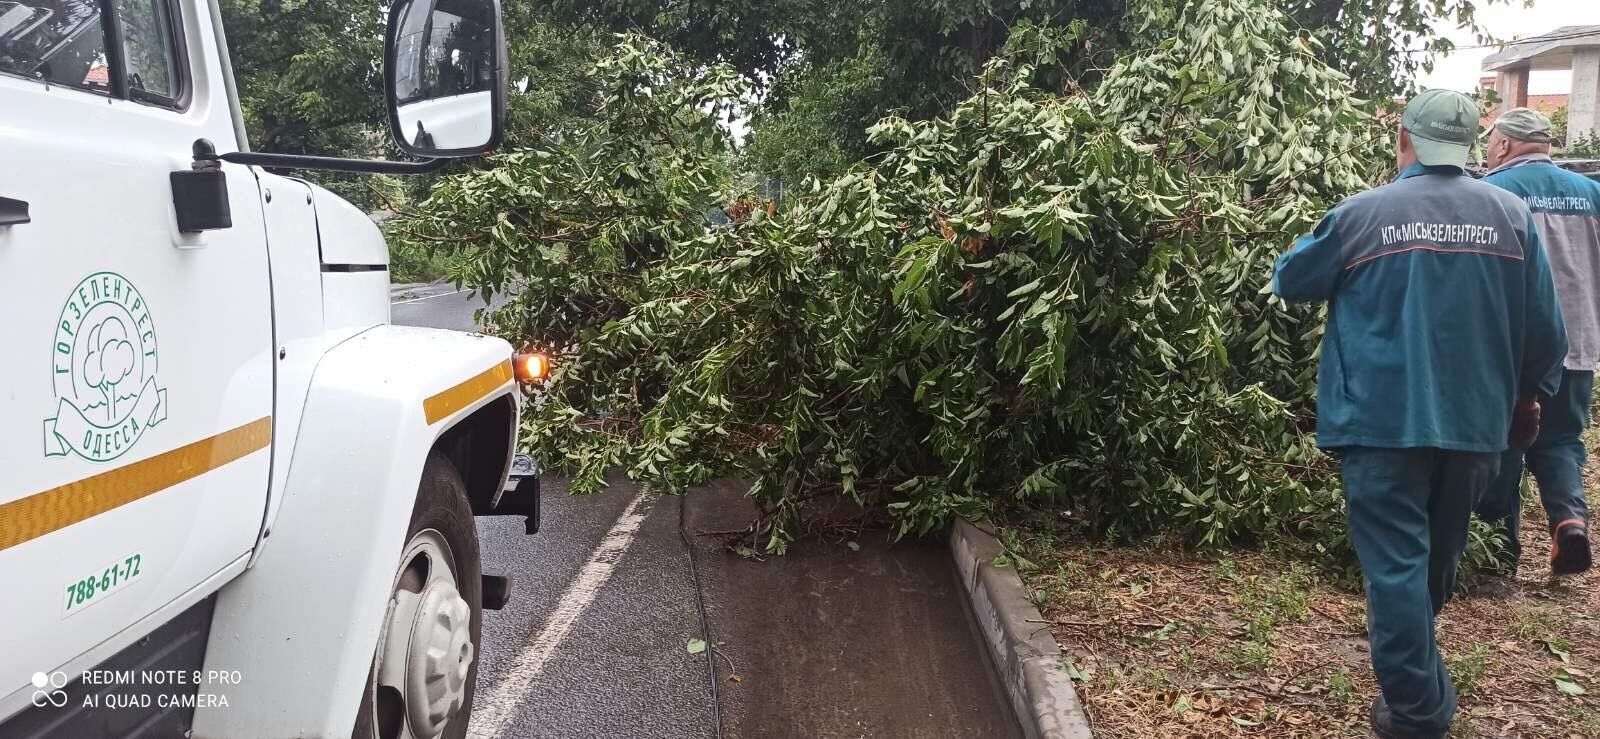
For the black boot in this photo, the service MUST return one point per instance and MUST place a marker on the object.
(1569, 547)
(1384, 726)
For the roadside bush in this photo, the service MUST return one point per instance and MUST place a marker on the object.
(1048, 298)
(413, 262)
(1586, 146)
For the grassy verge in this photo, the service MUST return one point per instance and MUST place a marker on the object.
(412, 263)
(1169, 645)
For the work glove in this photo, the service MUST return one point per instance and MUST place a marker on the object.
(1524, 423)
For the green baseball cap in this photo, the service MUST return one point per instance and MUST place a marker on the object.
(1525, 124)
(1443, 125)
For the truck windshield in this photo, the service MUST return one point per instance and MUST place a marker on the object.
(59, 41)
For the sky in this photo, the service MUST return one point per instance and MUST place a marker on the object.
(1461, 70)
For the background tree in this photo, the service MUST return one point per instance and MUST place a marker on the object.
(817, 131)
(1383, 44)
(831, 68)
(826, 69)
(1558, 123)
(308, 73)
(310, 82)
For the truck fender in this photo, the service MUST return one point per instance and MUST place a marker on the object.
(302, 624)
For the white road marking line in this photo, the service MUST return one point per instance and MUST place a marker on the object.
(491, 717)
(430, 297)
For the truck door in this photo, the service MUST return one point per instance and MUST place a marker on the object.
(135, 361)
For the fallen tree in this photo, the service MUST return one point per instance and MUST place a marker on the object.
(1052, 298)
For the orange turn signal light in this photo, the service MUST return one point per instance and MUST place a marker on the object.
(530, 366)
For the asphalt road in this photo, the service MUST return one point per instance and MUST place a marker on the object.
(827, 641)
(436, 306)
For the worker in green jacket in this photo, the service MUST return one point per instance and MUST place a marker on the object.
(1443, 328)
(1566, 210)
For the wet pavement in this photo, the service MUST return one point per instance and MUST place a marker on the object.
(834, 641)
(620, 666)
(826, 641)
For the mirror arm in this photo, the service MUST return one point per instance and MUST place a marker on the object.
(205, 151)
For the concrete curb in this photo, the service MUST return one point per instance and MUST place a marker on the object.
(1027, 656)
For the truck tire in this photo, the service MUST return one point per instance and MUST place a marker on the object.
(426, 664)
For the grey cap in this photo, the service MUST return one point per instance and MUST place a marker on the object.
(1525, 124)
(1443, 125)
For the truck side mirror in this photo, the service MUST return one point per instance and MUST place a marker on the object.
(444, 74)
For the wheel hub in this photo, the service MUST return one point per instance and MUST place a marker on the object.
(439, 658)
(427, 652)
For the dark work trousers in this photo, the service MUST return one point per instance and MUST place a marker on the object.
(1555, 459)
(1409, 510)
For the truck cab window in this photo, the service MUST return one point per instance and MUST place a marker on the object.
(64, 42)
(59, 41)
(147, 40)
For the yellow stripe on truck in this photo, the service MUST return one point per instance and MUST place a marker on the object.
(57, 508)
(472, 390)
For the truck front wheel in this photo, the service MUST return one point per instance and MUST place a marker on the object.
(421, 682)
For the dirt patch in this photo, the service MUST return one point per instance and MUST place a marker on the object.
(1170, 646)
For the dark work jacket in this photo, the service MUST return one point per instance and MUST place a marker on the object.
(1441, 311)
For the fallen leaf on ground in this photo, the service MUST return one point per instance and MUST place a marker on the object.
(1567, 684)
(1551, 647)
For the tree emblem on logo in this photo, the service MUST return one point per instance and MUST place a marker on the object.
(103, 371)
(109, 361)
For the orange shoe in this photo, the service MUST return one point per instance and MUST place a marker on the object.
(1569, 547)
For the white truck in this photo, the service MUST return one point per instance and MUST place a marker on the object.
(234, 500)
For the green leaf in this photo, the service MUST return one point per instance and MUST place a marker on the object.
(1558, 649)
(1567, 684)
(696, 646)
(1025, 289)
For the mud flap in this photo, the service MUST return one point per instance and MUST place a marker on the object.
(521, 496)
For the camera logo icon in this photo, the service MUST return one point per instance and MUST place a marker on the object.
(48, 689)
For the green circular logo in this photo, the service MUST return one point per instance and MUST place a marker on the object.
(103, 371)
